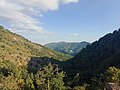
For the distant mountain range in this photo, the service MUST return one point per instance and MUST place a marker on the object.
(70, 48)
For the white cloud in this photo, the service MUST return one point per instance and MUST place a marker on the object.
(20, 14)
(74, 34)
(69, 1)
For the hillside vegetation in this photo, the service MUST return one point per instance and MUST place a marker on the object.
(20, 50)
(38, 68)
(101, 54)
(67, 47)
(96, 58)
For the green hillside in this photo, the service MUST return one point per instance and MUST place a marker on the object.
(16, 48)
(67, 47)
(29, 66)
(97, 57)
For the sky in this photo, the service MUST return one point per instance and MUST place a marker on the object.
(45, 21)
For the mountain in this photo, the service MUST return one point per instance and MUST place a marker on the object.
(67, 48)
(17, 49)
(97, 57)
(26, 65)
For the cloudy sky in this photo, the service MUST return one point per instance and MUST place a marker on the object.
(45, 21)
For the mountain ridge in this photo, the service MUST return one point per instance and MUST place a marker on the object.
(97, 57)
(71, 48)
(19, 49)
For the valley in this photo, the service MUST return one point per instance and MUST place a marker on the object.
(31, 66)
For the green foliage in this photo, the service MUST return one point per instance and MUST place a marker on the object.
(112, 75)
(50, 78)
(96, 58)
(67, 48)
(9, 76)
(28, 83)
(12, 77)
(19, 50)
(8, 83)
(16, 52)
(7, 68)
(79, 88)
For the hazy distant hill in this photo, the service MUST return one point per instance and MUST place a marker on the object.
(67, 48)
(16, 48)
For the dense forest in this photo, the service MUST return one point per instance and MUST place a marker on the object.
(71, 48)
(96, 58)
(29, 66)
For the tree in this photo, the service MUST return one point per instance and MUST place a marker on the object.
(29, 83)
(8, 83)
(112, 75)
(50, 78)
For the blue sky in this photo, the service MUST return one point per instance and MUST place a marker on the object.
(61, 20)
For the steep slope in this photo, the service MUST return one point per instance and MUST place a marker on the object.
(67, 48)
(20, 50)
(97, 57)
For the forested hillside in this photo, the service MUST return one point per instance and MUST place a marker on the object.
(25, 65)
(17, 49)
(96, 58)
(28, 66)
(67, 47)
